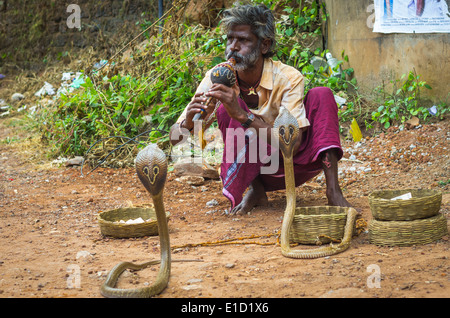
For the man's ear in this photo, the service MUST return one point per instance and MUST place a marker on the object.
(265, 46)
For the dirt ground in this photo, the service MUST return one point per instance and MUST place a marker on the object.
(51, 245)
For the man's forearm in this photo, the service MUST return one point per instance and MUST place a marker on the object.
(258, 124)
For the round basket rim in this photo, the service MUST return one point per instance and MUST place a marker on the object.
(128, 208)
(325, 207)
(423, 203)
(374, 194)
(116, 229)
(123, 225)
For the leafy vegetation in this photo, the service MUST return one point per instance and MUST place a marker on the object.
(403, 102)
(151, 94)
(126, 105)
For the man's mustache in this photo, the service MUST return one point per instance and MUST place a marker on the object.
(237, 56)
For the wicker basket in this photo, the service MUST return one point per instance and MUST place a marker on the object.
(423, 204)
(110, 226)
(318, 224)
(407, 233)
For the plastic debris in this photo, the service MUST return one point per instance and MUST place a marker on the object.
(77, 82)
(100, 65)
(405, 196)
(16, 97)
(70, 82)
(47, 89)
(355, 131)
(319, 62)
(432, 110)
(66, 76)
(133, 221)
(335, 68)
(339, 100)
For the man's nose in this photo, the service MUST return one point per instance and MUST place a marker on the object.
(234, 46)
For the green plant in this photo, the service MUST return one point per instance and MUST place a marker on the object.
(403, 103)
(443, 184)
(77, 120)
(298, 30)
(116, 106)
(442, 108)
(173, 65)
(299, 39)
(61, 55)
(8, 140)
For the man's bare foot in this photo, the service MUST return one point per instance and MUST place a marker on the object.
(255, 196)
(330, 169)
(336, 198)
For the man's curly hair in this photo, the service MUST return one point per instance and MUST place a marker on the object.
(258, 17)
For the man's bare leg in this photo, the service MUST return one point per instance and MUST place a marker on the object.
(330, 169)
(256, 195)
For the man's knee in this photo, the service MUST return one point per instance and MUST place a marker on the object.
(321, 97)
(320, 92)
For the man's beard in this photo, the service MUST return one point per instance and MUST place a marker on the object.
(244, 62)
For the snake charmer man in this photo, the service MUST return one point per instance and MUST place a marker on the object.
(252, 104)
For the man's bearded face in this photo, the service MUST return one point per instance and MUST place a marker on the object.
(244, 62)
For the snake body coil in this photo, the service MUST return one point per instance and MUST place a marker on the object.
(286, 128)
(151, 168)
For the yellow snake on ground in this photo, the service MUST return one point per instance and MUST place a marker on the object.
(286, 129)
(151, 168)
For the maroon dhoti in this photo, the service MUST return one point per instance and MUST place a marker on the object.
(245, 156)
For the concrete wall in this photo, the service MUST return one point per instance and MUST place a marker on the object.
(376, 56)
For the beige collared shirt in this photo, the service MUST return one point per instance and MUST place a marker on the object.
(280, 84)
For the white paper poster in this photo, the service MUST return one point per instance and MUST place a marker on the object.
(411, 16)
